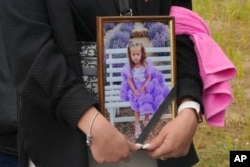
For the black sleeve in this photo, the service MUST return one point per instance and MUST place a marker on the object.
(41, 71)
(188, 77)
(156, 7)
(183, 3)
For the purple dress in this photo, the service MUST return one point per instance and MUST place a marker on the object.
(155, 93)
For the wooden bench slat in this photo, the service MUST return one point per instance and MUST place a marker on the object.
(125, 59)
(119, 78)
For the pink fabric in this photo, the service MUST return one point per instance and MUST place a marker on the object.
(216, 69)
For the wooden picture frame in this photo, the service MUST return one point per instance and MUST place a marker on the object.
(114, 34)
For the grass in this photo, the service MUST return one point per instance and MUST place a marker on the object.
(229, 25)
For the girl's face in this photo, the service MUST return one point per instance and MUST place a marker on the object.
(135, 53)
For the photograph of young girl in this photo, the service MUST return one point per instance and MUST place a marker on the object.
(139, 70)
(143, 85)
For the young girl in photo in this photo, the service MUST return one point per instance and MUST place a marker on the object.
(143, 85)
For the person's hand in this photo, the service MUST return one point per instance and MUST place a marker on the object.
(175, 138)
(108, 145)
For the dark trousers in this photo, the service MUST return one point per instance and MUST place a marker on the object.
(8, 160)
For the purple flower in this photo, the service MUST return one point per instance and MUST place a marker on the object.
(109, 26)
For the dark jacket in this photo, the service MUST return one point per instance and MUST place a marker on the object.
(42, 42)
(8, 107)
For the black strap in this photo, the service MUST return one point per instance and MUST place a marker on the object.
(156, 117)
(81, 23)
(125, 10)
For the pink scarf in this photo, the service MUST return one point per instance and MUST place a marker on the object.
(215, 68)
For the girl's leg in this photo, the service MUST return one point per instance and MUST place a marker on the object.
(146, 120)
(137, 125)
(137, 117)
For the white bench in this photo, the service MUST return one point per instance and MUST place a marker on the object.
(113, 103)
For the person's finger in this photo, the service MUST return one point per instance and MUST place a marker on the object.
(134, 147)
(126, 158)
(155, 143)
(162, 152)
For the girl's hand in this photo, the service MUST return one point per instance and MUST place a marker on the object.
(175, 138)
(108, 145)
(143, 90)
(136, 92)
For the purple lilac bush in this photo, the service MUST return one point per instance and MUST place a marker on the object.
(109, 26)
(120, 39)
(158, 33)
(127, 27)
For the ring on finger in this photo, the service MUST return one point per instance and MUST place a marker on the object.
(163, 158)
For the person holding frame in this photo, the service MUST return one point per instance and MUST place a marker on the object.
(56, 111)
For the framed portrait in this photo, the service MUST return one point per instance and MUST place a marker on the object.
(136, 69)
